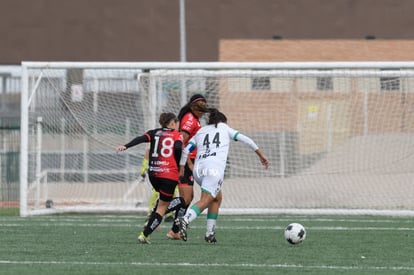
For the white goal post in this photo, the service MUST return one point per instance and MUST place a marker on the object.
(339, 135)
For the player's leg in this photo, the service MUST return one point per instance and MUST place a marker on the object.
(196, 209)
(169, 216)
(193, 212)
(210, 192)
(180, 209)
(212, 215)
(186, 193)
(155, 218)
(177, 205)
(152, 201)
(213, 184)
(166, 191)
(186, 185)
(152, 204)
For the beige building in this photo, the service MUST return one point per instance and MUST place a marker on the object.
(316, 50)
(308, 103)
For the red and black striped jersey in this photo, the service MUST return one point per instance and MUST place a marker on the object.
(165, 152)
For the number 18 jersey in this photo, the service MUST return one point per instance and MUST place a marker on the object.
(165, 150)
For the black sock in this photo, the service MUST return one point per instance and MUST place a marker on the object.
(178, 214)
(175, 204)
(153, 222)
(153, 210)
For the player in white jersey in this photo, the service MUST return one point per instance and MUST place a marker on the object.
(212, 143)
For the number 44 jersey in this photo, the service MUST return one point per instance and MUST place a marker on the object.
(212, 143)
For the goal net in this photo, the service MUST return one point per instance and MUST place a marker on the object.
(339, 136)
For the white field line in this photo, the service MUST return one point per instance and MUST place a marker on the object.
(133, 221)
(222, 227)
(246, 265)
(261, 218)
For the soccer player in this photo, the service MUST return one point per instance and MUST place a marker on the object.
(212, 143)
(164, 154)
(189, 116)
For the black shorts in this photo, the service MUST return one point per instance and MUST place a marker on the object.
(164, 186)
(187, 179)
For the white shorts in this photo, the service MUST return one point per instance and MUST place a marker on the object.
(210, 179)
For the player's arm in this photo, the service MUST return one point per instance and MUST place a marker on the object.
(135, 141)
(184, 155)
(178, 148)
(263, 158)
(246, 140)
(186, 137)
(237, 136)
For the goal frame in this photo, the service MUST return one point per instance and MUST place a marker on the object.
(295, 68)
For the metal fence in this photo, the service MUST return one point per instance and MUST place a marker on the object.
(9, 161)
(9, 83)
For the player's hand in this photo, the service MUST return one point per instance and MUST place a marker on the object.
(265, 162)
(263, 158)
(121, 148)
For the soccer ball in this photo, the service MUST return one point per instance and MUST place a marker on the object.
(295, 233)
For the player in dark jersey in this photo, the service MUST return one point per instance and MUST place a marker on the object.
(189, 116)
(164, 155)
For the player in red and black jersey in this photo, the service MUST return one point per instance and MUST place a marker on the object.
(189, 116)
(166, 145)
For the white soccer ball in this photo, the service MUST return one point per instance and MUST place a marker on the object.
(295, 233)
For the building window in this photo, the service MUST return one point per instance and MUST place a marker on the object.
(261, 83)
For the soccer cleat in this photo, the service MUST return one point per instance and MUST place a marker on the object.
(143, 239)
(210, 238)
(183, 225)
(173, 236)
